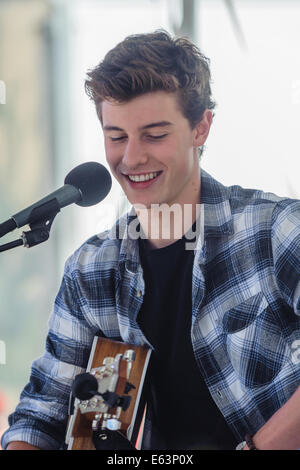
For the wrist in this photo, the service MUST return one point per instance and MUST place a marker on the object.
(250, 443)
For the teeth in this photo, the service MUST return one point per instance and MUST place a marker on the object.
(145, 177)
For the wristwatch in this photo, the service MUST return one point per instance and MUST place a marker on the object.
(241, 445)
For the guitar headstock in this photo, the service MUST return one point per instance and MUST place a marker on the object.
(111, 395)
(108, 395)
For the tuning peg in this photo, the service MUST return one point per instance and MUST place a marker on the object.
(129, 355)
(128, 387)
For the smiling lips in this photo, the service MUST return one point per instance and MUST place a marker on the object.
(143, 180)
(143, 177)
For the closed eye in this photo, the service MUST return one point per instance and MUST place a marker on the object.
(157, 136)
(116, 139)
(151, 137)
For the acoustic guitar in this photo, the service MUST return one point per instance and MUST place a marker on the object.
(107, 403)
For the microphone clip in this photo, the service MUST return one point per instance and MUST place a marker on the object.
(40, 222)
(41, 219)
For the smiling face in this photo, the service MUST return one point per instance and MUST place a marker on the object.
(152, 150)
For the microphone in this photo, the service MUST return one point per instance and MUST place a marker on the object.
(86, 185)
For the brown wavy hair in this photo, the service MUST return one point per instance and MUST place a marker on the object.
(144, 63)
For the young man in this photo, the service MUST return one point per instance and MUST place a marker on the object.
(222, 318)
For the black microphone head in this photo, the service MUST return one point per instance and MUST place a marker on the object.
(85, 386)
(93, 181)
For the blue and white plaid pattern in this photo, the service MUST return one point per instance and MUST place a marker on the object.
(245, 318)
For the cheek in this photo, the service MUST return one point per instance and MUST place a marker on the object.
(113, 157)
(167, 154)
(180, 158)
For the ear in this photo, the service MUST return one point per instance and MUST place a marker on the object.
(201, 130)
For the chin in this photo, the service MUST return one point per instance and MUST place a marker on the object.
(142, 204)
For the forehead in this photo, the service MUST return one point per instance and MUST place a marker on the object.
(155, 106)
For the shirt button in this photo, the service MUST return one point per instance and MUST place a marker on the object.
(139, 293)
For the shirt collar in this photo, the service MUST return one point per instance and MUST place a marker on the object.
(217, 211)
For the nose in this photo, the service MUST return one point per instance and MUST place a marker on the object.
(134, 154)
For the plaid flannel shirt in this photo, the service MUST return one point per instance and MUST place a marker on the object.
(245, 315)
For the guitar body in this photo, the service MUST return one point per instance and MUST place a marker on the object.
(118, 407)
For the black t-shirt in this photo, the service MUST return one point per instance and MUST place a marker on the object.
(183, 413)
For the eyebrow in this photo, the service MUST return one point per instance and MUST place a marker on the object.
(147, 126)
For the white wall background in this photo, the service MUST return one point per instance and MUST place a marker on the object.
(255, 138)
